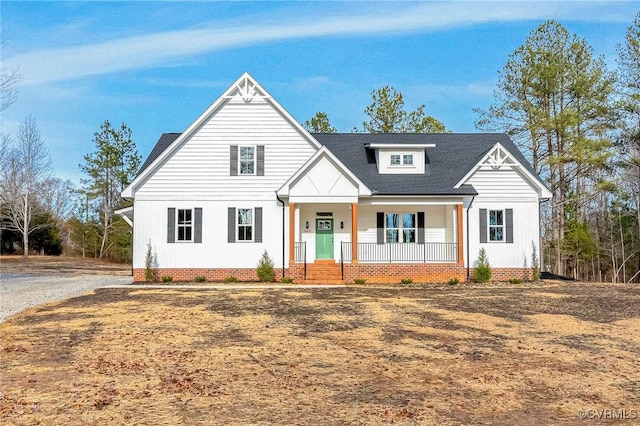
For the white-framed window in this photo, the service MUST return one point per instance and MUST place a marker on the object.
(247, 160)
(496, 225)
(184, 225)
(245, 225)
(401, 159)
(400, 227)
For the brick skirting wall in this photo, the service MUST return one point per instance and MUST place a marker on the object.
(383, 273)
(189, 274)
(394, 272)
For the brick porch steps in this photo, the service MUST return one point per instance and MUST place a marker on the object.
(324, 271)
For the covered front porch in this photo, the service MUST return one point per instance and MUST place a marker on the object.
(336, 223)
(376, 233)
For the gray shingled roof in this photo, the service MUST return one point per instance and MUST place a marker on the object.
(163, 143)
(446, 163)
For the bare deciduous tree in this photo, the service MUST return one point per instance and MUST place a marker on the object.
(25, 169)
(9, 77)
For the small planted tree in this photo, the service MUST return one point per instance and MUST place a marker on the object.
(265, 270)
(535, 263)
(483, 269)
(148, 264)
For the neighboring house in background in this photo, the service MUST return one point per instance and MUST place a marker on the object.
(246, 177)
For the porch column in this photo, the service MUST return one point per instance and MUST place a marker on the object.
(292, 233)
(354, 232)
(460, 237)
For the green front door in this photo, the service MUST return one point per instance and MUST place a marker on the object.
(324, 238)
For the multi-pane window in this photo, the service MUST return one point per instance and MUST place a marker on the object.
(401, 160)
(400, 227)
(496, 225)
(245, 224)
(247, 160)
(185, 225)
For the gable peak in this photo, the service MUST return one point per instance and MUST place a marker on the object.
(498, 157)
(246, 89)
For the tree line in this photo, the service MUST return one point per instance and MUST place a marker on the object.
(577, 122)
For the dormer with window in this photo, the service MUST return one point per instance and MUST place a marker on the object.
(400, 158)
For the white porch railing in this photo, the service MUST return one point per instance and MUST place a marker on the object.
(401, 252)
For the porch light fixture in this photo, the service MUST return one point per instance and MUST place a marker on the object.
(341, 225)
(306, 225)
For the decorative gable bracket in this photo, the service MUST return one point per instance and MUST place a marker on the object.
(246, 89)
(497, 158)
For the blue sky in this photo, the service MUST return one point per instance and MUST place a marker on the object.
(158, 65)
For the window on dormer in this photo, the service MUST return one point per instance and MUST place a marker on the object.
(401, 160)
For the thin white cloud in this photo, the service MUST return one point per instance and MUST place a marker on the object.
(165, 48)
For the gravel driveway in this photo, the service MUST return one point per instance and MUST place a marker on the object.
(21, 291)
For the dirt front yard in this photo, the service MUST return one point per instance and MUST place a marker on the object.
(502, 355)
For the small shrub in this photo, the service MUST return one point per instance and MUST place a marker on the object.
(265, 271)
(515, 280)
(535, 263)
(454, 281)
(406, 281)
(148, 264)
(231, 279)
(200, 279)
(359, 281)
(167, 279)
(286, 280)
(483, 269)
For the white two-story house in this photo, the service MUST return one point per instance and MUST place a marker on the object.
(246, 177)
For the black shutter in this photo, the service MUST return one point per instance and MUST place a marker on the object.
(508, 225)
(257, 236)
(171, 225)
(483, 225)
(420, 227)
(260, 156)
(231, 225)
(197, 232)
(380, 226)
(233, 160)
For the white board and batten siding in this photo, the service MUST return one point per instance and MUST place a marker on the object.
(500, 189)
(197, 175)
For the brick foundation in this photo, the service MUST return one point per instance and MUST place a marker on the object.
(393, 273)
(189, 274)
(383, 273)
